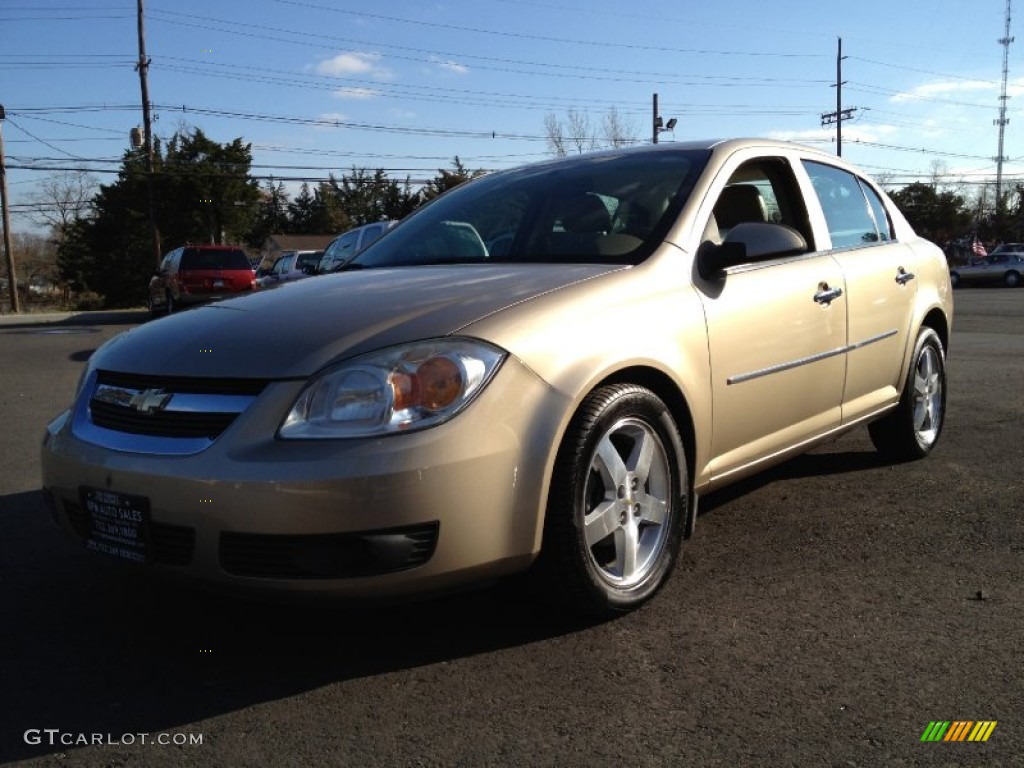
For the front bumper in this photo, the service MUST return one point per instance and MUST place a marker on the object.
(429, 510)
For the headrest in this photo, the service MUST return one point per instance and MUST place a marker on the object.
(739, 203)
(586, 213)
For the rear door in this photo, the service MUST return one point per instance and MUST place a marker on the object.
(881, 284)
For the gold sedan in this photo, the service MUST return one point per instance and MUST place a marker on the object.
(542, 370)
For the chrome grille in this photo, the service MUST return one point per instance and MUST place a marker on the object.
(159, 414)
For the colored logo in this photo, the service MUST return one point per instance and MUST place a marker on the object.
(958, 730)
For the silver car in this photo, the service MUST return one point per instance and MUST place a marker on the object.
(1004, 265)
(657, 323)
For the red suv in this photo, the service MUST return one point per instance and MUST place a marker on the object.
(196, 274)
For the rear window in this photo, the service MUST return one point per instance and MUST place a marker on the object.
(309, 259)
(214, 258)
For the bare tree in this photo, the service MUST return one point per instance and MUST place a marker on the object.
(577, 133)
(885, 179)
(62, 199)
(580, 134)
(618, 132)
(555, 134)
(937, 173)
(37, 263)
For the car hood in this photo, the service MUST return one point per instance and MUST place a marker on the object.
(295, 330)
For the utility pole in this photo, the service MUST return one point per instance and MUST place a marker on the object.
(657, 124)
(147, 138)
(655, 121)
(12, 280)
(1004, 41)
(840, 114)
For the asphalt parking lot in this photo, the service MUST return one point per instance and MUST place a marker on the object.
(825, 613)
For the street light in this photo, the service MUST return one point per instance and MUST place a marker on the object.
(659, 126)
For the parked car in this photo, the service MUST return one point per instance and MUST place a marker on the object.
(665, 321)
(1004, 265)
(196, 274)
(290, 266)
(345, 247)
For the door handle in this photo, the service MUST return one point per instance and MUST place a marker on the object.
(826, 295)
(903, 277)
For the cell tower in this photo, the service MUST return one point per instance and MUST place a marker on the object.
(1004, 41)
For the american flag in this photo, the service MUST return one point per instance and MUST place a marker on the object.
(978, 247)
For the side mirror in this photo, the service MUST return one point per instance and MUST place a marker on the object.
(747, 242)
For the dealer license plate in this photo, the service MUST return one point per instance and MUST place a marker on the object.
(118, 524)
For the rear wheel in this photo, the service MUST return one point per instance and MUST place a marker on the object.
(913, 429)
(617, 505)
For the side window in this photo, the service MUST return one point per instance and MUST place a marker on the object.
(849, 216)
(345, 246)
(882, 222)
(165, 265)
(763, 191)
(370, 234)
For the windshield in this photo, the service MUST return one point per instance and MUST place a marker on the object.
(601, 208)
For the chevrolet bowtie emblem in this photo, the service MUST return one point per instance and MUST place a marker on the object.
(150, 400)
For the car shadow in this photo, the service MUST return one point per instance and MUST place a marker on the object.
(818, 464)
(77, 321)
(99, 650)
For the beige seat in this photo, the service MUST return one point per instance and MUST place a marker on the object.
(739, 203)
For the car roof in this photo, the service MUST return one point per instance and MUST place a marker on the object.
(717, 146)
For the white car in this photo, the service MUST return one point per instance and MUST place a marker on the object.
(345, 247)
(290, 266)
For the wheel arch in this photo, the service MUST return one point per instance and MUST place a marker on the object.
(662, 386)
(936, 320)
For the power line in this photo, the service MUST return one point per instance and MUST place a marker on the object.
(639, 77)
(523, 36)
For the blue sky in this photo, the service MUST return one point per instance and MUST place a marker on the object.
(321, 85)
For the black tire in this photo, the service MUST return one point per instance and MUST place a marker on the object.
(169, 306)
(913, 428)
(1012, 279)
(153, 311)
(622, 454)
(954, 279)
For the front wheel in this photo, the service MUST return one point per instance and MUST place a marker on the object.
(912, 430)
(1012, 279)
(954, 279)
(617, 505)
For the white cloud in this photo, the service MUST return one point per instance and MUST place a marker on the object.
(366, 64)
(357, 93)
(451, 66)
(944, 89)
(447, 65)
(851, 132)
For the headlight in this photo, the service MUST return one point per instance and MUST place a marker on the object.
(394, 390)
